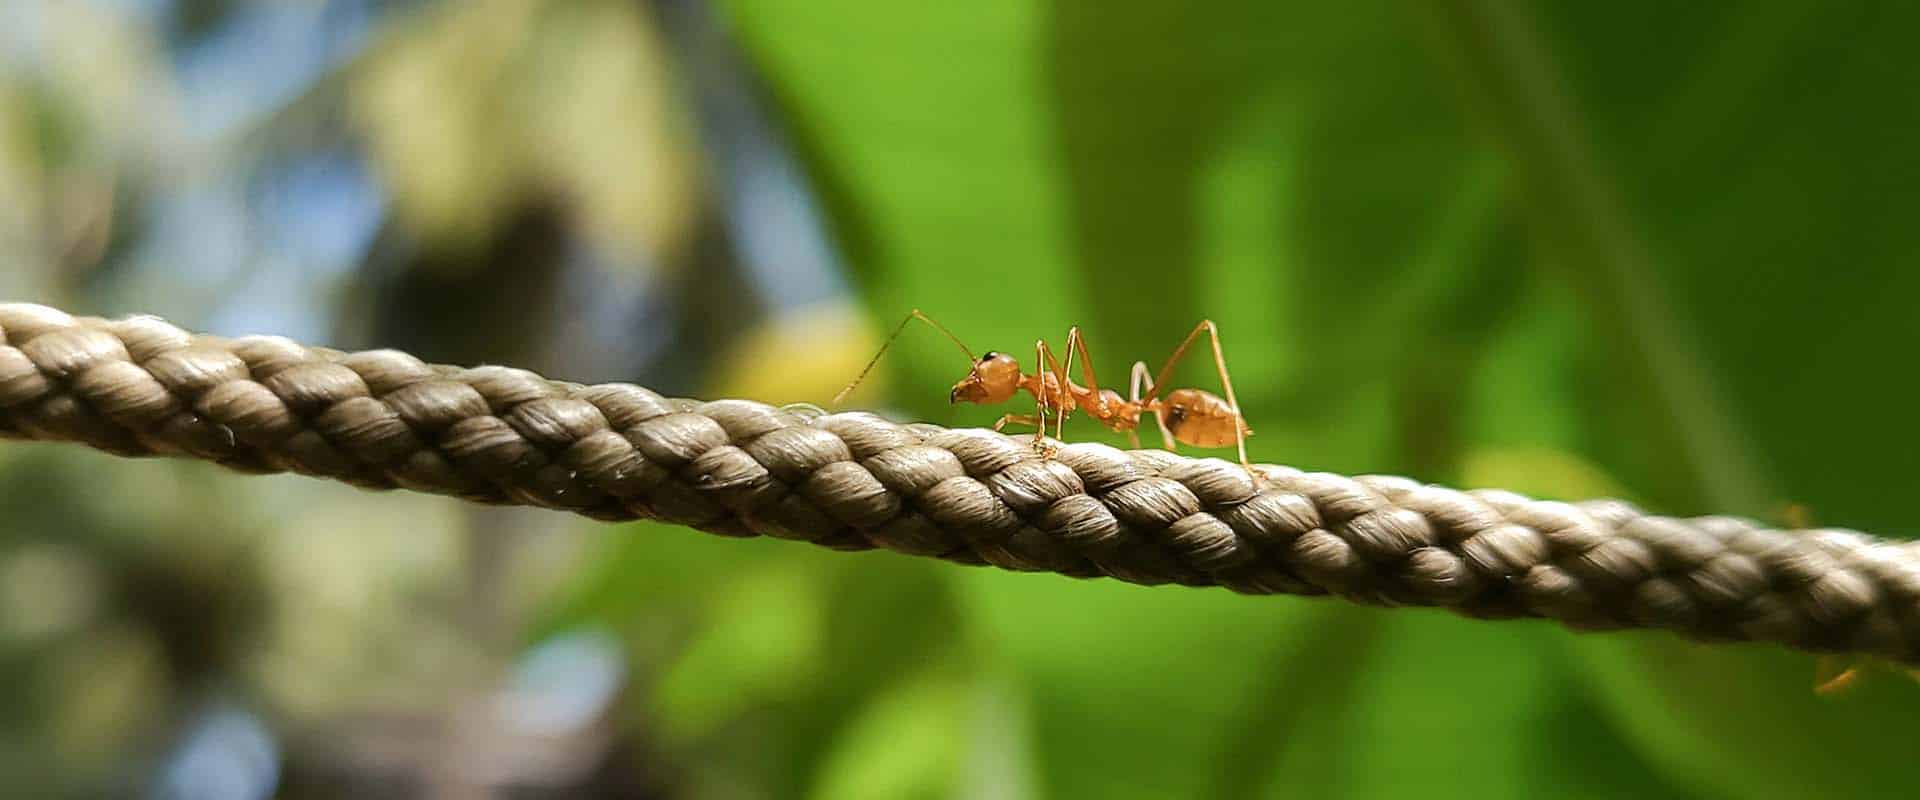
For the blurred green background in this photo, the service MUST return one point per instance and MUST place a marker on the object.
(1651, 250)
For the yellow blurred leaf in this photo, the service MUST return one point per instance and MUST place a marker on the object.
(1538, 472)
(804, 357)
(441, 129)
(761, 644)
(46, 590)
(482, 105)
(910, 741)
(109, 692)
(604, 123)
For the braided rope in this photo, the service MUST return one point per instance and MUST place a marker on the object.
(383, 419)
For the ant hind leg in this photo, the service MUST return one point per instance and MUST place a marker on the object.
(1226, 382)
(1834, 674)
(1142, 377)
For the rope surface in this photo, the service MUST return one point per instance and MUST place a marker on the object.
(853, 481)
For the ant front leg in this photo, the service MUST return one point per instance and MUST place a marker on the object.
(1016, 419)
(1039, 424)
(1040, 356)
(1046, 366)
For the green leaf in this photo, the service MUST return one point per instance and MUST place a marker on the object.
(1134, 691)
(908, 742)
(1745, 721)
(761, 642)
(1462, 709)
(1432, 247)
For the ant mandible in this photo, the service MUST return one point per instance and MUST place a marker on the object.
(1189, 416)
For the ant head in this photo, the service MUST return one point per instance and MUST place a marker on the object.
(995, 378)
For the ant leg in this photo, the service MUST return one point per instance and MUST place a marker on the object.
(1832, 675)
(1039, 398)
(1040, 358)
(1141, 376)
(1226, 382)
(897, 330)
(1060, 376)
(1048, 365)
(1016, 419)
(1077, 342)
(1109, 417)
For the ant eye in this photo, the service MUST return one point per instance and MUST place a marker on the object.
(991, 355)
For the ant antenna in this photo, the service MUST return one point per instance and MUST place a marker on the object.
(898, 329)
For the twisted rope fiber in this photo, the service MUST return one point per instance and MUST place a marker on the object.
(383, 419)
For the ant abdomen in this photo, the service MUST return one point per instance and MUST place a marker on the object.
(1202, 419)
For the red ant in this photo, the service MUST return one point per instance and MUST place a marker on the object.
(1189, 416)
(1833, 674)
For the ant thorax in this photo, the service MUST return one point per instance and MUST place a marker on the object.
(1048, 388)
(1109, 407)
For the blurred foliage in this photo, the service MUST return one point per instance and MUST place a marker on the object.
(473, 107)
(1580, 249)
(1572, 249)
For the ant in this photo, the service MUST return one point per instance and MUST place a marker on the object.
(1833, 674)
(1188, 416)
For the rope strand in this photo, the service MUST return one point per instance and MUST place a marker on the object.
(383, 419)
